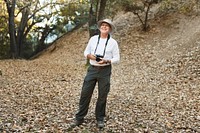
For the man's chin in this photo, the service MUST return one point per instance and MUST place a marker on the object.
(104, 32)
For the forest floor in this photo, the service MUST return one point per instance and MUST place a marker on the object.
(155, 87)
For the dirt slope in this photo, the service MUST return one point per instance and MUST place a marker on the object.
(155, 88)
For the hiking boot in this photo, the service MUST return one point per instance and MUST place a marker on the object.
(77, 123)
(100, 124)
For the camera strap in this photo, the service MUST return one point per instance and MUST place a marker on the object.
(105, 44)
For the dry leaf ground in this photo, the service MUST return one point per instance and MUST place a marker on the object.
(155, 88)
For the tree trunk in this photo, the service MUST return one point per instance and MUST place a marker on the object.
(102, 9)
(21, 31)
(45, 33)
(146, 26)
(13, 46)
(92, 20)
(96, 16)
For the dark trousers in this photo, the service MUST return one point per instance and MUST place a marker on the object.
(102, 77)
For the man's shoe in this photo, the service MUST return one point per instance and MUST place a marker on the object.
(100, 124)
(77, 123)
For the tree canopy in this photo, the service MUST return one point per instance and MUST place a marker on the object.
(33, 24)
(28, 27)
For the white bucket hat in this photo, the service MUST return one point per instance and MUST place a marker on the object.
(106, 21)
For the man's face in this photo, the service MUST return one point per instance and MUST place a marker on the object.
(105, 28)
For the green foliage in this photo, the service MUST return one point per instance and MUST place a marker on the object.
(28, 50)
(35, 21)
(4, 40)
(75, 11)
(4, 52)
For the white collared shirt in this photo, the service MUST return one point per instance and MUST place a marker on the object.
(111, 52)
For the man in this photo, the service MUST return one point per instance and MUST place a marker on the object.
(102, 51)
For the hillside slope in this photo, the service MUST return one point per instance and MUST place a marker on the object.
(155, 88)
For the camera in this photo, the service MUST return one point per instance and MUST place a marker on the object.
(98, 57)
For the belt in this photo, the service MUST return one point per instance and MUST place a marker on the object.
(100, 67)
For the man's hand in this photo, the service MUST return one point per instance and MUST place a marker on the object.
(103, 61)
(91, 56)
